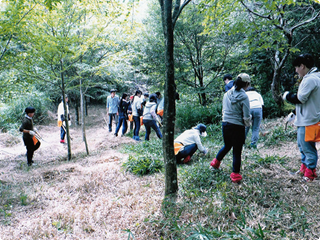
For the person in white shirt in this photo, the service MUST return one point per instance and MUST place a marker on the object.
(186, 144)
(256, 107)
(137, 112)
(62, 118)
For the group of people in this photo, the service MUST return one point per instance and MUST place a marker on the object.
(242, 106)
(139, 109)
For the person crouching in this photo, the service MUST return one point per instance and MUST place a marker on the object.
(186, 144)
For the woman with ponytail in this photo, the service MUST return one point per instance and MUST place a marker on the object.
(235, 117)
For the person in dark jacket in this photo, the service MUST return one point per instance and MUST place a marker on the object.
(123, 114)
(29, 132)
(150, 117)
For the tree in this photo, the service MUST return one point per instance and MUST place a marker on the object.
(277, 19)
(169, 16)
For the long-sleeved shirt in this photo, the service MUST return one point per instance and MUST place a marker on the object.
(112, 104)
(189, 137)
(308, 112)
(236, 107)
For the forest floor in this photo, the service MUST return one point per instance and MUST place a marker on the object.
(89, 197)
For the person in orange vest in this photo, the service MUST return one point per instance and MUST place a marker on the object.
(29, 132)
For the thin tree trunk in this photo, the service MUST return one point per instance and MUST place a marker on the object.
(65, 109)
(82, 109)
(171, 181)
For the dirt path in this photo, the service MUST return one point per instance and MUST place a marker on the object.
(89, 197)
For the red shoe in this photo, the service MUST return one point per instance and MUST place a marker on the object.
(310, 175)
(235, 177)
(62, 141)
(303, 168)
(215, 163)
(186, 159)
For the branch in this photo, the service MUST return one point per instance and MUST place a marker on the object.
(257, 14)
(177, 11)
(305, 22)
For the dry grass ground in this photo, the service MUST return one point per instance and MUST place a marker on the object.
(89, 197)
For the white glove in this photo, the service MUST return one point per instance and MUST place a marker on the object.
(35, 129)
(284, 96)
(205, 151)
(290, 117)
(32, 133)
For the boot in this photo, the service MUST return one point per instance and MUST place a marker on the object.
(235, 177)
(310, 175)
(215, 163)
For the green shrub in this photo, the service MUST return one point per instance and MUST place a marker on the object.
(12, 113)
(143, 165)
(189, 114)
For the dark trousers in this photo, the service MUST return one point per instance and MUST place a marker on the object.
(123, 121)
(62, 133)
(188, 150)
(233, 137)
(115, 117)
(151, 124)
(136, 130)
(31, 148)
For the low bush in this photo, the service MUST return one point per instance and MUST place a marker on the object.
(12, 113)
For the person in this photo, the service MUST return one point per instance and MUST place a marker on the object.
(136, 113)
(62, 118)
(145, 98)
(112, 108)
(235, 116)
(256, 106)
(123, 114)
(307, 112)
(29, 132)
(150, 117)
(228, 81)
(130, 112)
(160, 102)
(186, 144)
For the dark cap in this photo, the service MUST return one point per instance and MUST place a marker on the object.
(227, 76)
(29, 110)
(201, 127)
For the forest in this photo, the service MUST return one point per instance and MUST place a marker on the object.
(98, 186)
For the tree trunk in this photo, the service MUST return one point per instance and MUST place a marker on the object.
(65, 110)
(171, 181)
(82, 109)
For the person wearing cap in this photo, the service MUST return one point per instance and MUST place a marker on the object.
(307, 112)
(137, 112)
(228, 82)
(186, 144)
(235, 117)
(112, 108)
(150, 117)
(29, 132)
(256, 105)
(62, 119)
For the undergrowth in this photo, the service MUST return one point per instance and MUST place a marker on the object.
(270, 203)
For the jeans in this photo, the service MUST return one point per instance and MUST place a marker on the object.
(136, 129)
(151, 124)
(309, 154)
(256, 114)
(123, 121)
(115, 117)
(62, 133)
(233, 137)
(188, 150)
